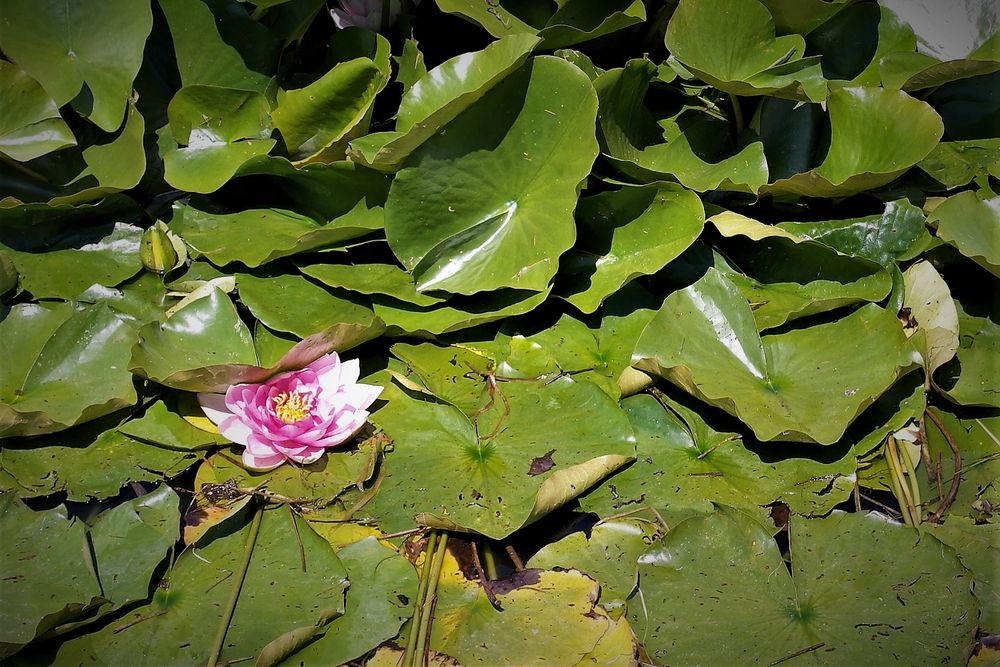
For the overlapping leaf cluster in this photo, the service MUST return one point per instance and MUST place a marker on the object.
(674, 268)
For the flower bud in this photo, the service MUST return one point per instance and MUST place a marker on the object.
(157, 250)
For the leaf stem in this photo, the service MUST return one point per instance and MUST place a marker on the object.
(900, 487)
(227, 615)
(956, 479)
(490, 560)
(430, 600)
(737, 113)
(425, 571)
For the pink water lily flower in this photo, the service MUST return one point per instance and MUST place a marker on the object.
(294, 416)
(363, 14)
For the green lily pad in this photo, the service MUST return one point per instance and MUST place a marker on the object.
(63, 366)
(807, 384)
(970, 378)
(111, 167)
(570, 22)
(310, 486)
(683, 465)
(202, 347)
(978, 547)
(455, 314)
(875, 136)
(785, 278)
(437, 97)
(165, 425)
(30, 125)
(609, 555)
(635, 144)
(380, 600)
(258, 236)
(213, 132)
(732, 46)
(410, 64)
(596, 352)
(957, 163)
(387, 279)
(452, 373)
(893, 235)
(717, 567)
(972, 225)
(481, 211)
(315, 120)
(578, 21)
(130, 540)
(627, 234)
(74, 258)
(294, 304)
(65, 48)
(215, 47)
(547, 617)
(126, 544)
(293, 580)
(89, 461)
(522, 458)
(36, 545)
(801, 16)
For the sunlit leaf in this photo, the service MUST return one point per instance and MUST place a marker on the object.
(66, 47)
(483, 475)
(487, 210)
(806, 384)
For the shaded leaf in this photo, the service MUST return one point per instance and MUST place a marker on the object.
(717, 567)
(63, 365)
(383, 588)
(437, 97)
(89, 461)
(258, 236)
(73, 258)
(627, 234)
(294, 579)
(633, 139)
(972, 225)
(875, 135)
(30, 124)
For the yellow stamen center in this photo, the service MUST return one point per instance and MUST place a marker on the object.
(293, 407)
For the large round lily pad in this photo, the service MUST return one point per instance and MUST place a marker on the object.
(806, 384)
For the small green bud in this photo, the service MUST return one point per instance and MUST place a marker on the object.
(157, 250)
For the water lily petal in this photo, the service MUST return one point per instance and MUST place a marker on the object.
(234, 429)
(214, 407)
(262, 463)
(311, 456)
